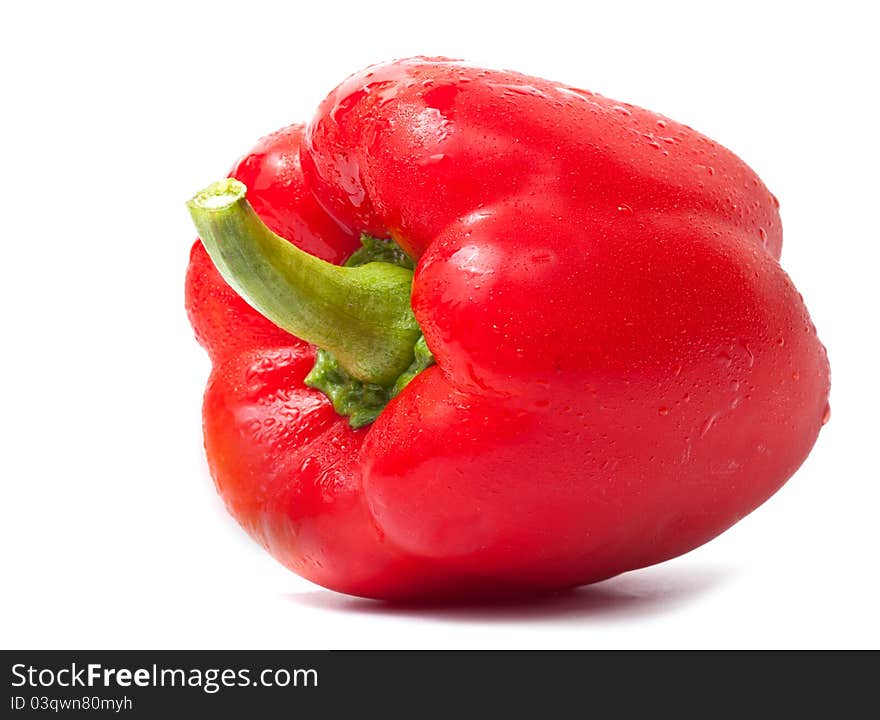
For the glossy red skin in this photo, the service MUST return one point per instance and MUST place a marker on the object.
(623, 368)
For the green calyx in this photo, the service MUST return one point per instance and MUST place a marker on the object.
(362, 401)
(358, 314)
(376, 250)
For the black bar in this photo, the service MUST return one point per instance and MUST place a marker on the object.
(154, 684)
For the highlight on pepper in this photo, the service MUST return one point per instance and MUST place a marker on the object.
(478, 334)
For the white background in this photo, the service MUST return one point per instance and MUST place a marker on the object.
(114, 114)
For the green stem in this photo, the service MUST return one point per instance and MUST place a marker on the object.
(362, 315)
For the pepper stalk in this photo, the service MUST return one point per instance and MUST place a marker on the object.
(361, 315)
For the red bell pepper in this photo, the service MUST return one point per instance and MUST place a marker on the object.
(601, 366)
